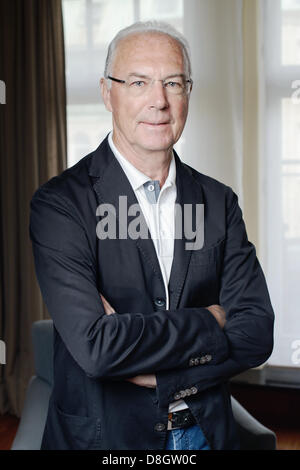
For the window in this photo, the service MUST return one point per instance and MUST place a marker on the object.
(89, 26)
(282, 173)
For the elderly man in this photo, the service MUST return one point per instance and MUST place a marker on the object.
(148, 329)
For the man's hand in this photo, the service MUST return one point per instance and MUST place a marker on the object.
(143, 380)
(219, 313)
(107, 307)
(149, 380)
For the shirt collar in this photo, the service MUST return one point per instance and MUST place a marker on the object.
(135, 176)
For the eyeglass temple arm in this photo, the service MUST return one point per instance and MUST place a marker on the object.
(116, 79)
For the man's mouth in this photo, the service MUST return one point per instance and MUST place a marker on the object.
(155, 124)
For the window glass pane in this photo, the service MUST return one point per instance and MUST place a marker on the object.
(87, 127)
(106, 23)
(74, 12)
(290, 32)
(290, 129)
(290, 200)
(161, 10)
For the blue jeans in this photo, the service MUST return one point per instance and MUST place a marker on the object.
(191, 438)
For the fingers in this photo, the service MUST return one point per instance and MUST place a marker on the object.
(107, 307)
(144, 380)
(219, 313)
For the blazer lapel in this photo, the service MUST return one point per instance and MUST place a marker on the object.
(110, 182)
(188, 192)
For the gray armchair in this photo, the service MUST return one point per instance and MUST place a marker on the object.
(31, 427)
(253, 435)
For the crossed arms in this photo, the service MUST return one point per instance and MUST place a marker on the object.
(149, 380)
(130, 345)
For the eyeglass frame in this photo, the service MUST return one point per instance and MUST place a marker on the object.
(118, 80)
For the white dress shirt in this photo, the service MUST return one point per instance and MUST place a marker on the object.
(158, 208)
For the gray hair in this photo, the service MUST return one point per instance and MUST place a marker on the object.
(152, 26)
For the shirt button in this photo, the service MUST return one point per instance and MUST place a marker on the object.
(159, 427)
(151, 187)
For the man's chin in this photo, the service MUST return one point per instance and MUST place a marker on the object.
(157, 148)
(157, 145)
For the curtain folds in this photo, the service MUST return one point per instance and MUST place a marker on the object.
(253, 118)
(224, 133)
(213, 141)
(32, 149)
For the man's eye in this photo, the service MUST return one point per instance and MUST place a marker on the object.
(137, 83)
(173, 84)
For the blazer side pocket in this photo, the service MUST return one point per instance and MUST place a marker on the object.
(78, 432)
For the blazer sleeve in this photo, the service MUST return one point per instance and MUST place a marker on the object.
(107, 346)
(249, 316)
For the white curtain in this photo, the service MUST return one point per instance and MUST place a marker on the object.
(213, 138)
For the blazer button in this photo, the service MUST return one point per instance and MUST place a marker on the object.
(188, 392)
(194, 390)
(202, 360)
(196, 361)
(182, 393)
(160, 302)
(177, 396)
(192, 362)
(159, 427)
(208, 357)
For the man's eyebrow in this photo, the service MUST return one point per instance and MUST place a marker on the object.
(173, 75)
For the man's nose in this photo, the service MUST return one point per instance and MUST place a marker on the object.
(158, 97)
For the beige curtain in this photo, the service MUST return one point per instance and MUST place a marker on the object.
(214, 132)
(253, 98)
(32, 149)
(223, 136)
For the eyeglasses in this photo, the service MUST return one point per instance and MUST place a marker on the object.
(176, 85)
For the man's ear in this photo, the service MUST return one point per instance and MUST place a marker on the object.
(105, 92)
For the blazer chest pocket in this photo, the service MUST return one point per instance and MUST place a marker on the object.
(208, 256)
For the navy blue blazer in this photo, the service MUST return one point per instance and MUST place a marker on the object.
(92, 406)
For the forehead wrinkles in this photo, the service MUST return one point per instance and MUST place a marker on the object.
(147, 49)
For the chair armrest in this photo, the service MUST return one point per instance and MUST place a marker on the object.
(253, 435)
(31, 427)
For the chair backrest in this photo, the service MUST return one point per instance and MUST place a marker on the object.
(42, 337)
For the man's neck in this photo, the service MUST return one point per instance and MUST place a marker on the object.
(154, 164)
